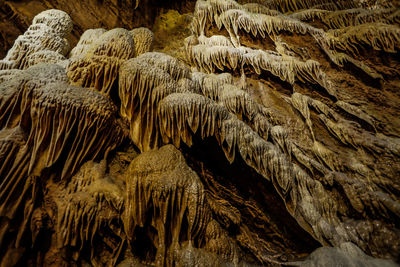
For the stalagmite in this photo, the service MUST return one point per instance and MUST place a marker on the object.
(85, 42)
(47, 32)
(143, 39)
(163, 192)
(94, 201)
(58, 20)
(45, 56)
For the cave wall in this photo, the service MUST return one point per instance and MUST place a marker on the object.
(224, 133)
(16, 16)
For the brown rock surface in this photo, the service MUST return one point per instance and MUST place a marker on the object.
(231, 133)
(16, 16)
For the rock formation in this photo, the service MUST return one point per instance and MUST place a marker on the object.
(272, 130)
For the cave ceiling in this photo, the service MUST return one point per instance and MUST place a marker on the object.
(200, 133)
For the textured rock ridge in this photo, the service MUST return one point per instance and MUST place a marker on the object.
(273, 131)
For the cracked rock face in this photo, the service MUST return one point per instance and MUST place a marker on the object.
(229, 133)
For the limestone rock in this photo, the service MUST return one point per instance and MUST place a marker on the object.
(347, 254)
(221, 132)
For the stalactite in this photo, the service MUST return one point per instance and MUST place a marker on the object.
(83, 104)
(341, 59)
(177, 109)
(293, 5)
(342, 18)
(252, 18)
(141, 86)
(215, 40)
(41, 92)
(287, 68)
(348, 132)
(8, 74)
(100, 66)
(259, 8)
(162, 191)
(202, 12)
(259, 24)
(330, 158)
(99, 73)
(301, 104)
(143, 81)
(242, 105)
(310, 14)
(94, 201)
(356, 112)
(237, 17)
(327, 157)
(220, 6)
(40, 103)
(378, 36)
(15, 91)
(351, 134)
(169, 64)
(211, 84)
(347, 17)
(218, 241)
(11, 141)
(116, 43)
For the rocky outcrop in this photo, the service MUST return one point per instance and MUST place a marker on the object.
(345, 255)
(97, 65)
(166, 201)
(272, 132)
(16, 16)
